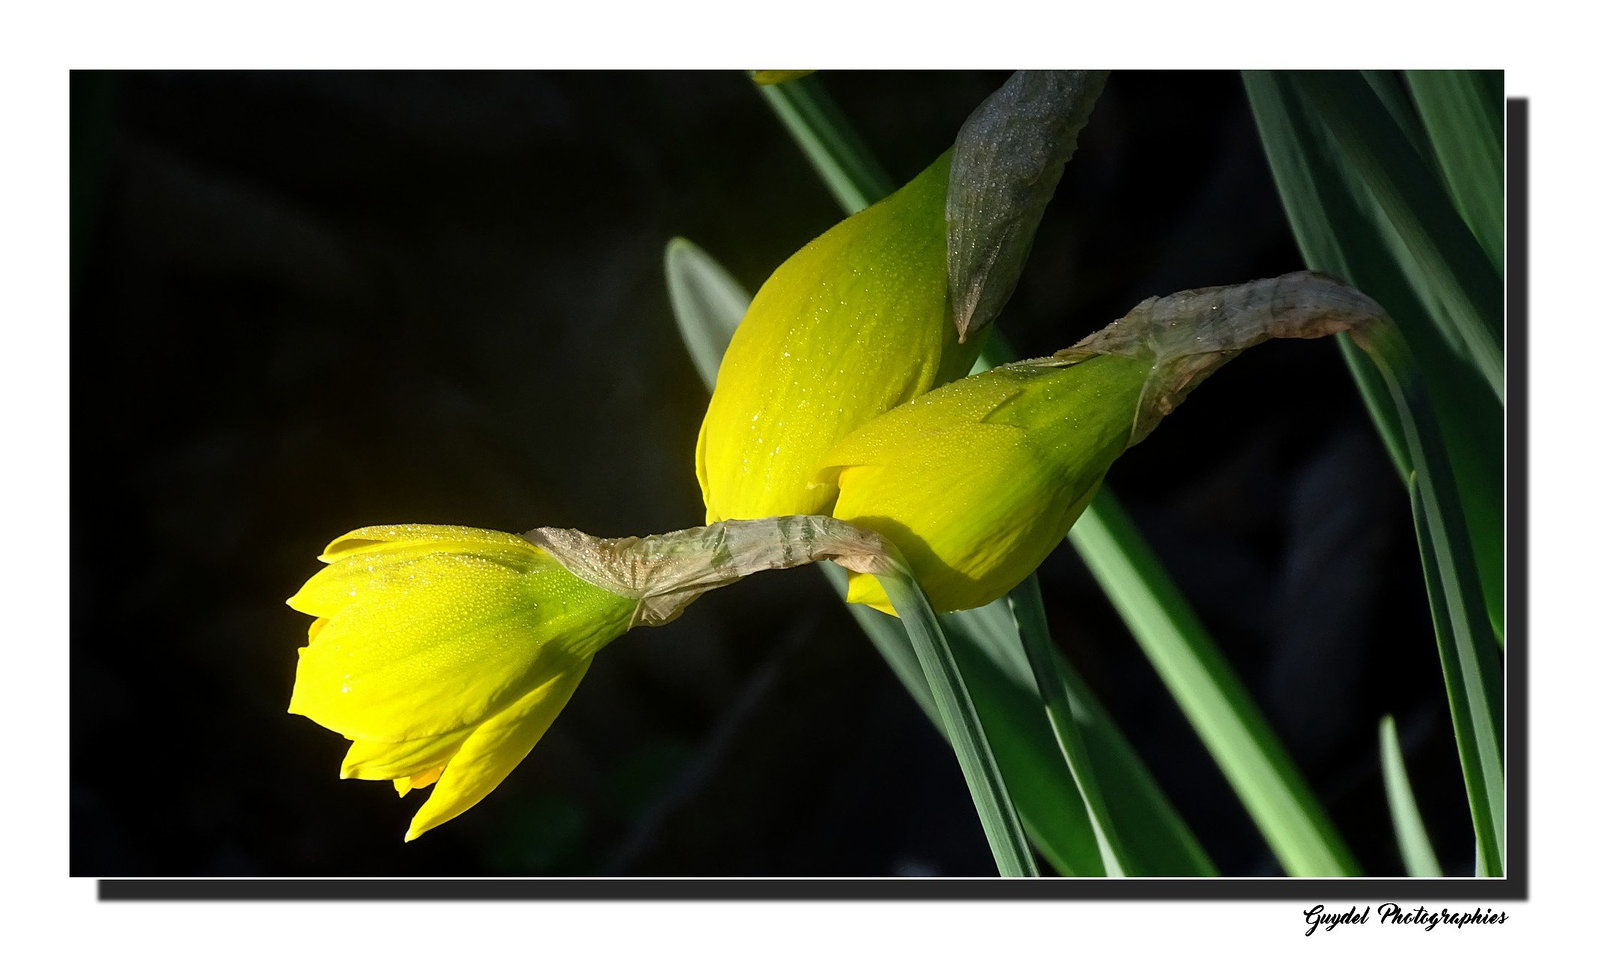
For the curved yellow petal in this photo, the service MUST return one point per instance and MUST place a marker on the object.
(405, 785)
(852, 325)
(494, 749)
(864, 589)
(365, 565)
(397, 535)
(376, 760)
(428, 777)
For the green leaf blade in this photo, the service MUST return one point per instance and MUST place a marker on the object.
(1433, 234)
(1001, 824)
(1028, 609)
(1210, 695)
(830, 143)
(1447, 435)
(1468, 652)
(1463, 112)
(1410, 833)
(1341, 230)
(707, 303)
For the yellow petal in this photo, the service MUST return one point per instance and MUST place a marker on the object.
(494, 749)
(375, 760)
(398, 535)
(427, 777)
(864, 589)
(359, 564)
(405, 785)
(852, 325)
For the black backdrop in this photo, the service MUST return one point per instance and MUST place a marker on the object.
(304, 303)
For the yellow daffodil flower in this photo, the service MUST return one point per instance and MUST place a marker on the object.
(977, 481)
(852, 325)
(444, 654)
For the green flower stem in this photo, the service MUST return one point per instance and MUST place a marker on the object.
(1027, 607)
(1007, 841)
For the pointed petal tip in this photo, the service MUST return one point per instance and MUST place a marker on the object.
(299, 602)
(864, 589)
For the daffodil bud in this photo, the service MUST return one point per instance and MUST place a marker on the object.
(977, 481)
(444, 653)
(852, 325)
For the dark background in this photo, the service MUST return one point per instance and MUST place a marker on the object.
(305, 302)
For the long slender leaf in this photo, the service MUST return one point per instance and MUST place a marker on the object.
(1001, 825)
(1463, 113)
(1210, 695)
(1341, 230)
(1452, 457)
(1468, 653)
(850, 172)
(1391, 90)
(1155, 839)
(1420, 212)
(1410, 834)
(1028, 609)
(990, 654)
(1051, 809)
